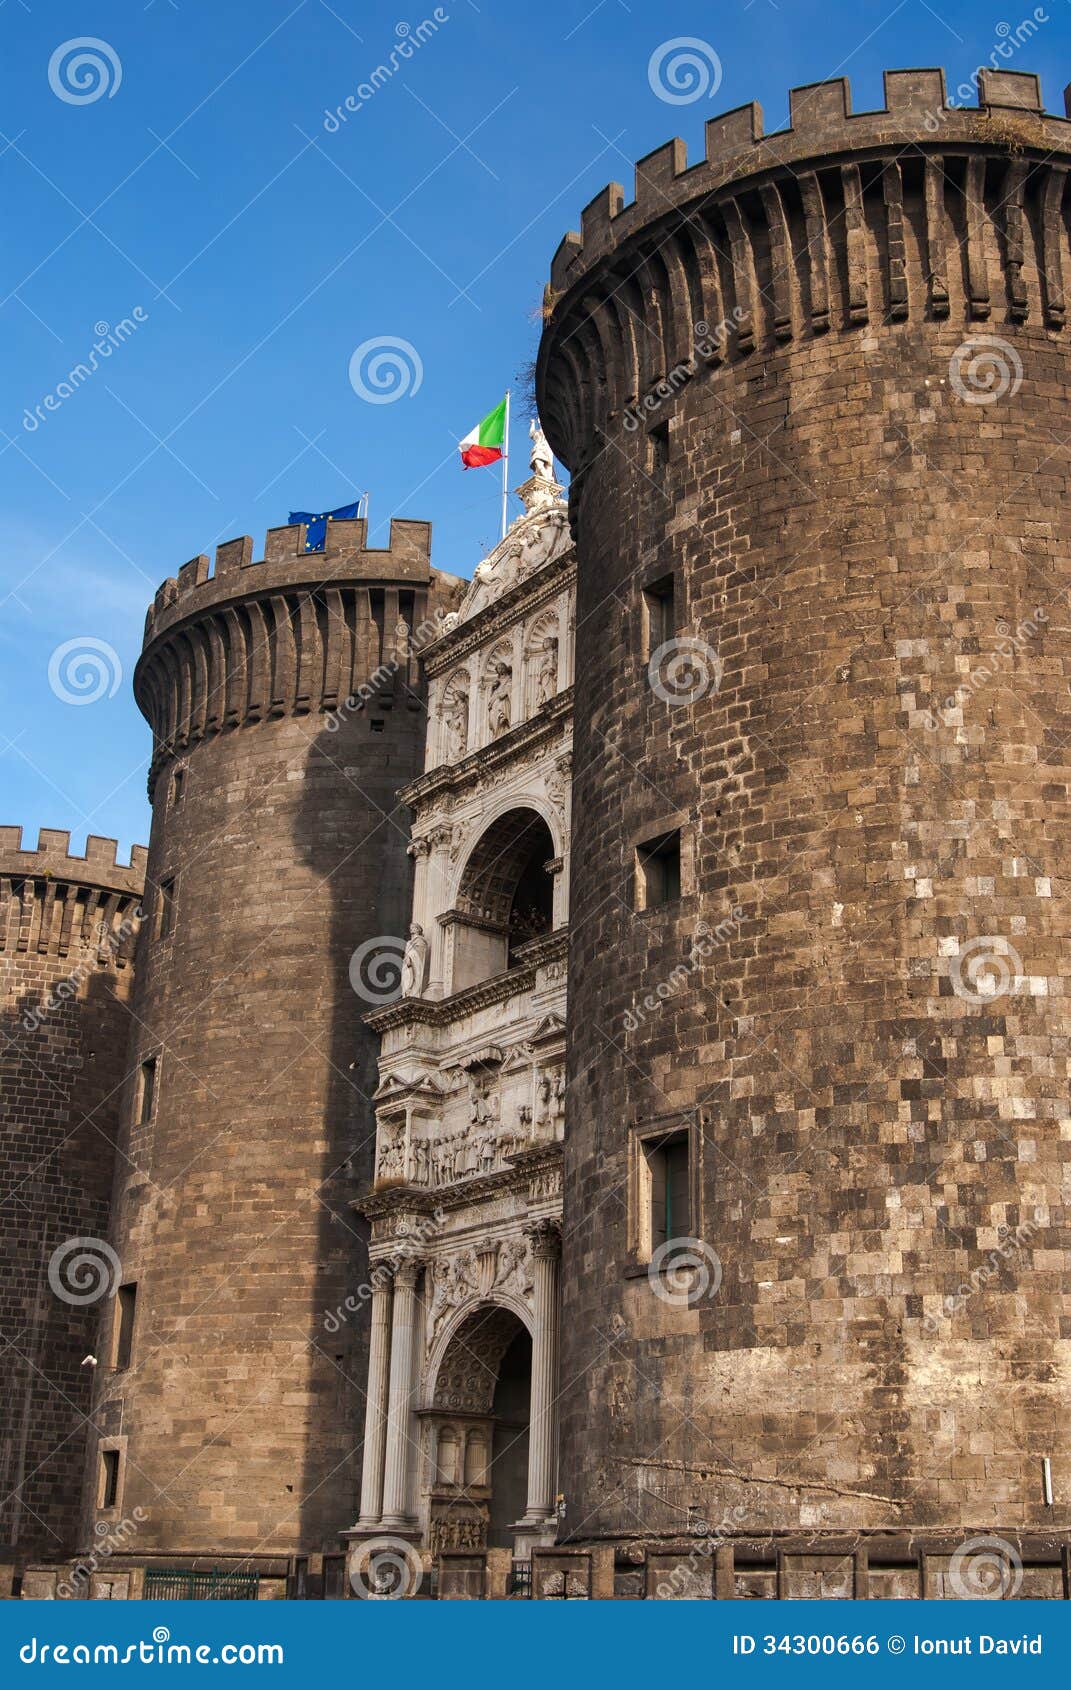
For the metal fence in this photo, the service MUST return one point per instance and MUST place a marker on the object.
(178, 1584)
(520, 1578)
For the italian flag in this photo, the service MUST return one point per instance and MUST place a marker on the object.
(486, 443)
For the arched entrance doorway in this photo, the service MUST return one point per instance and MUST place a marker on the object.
(478, 1432)
(505, 898)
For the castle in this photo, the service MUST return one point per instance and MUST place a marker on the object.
(594, 1113)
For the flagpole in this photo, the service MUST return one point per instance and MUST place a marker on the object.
(505, 468)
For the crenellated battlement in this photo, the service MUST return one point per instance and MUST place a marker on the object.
(56, 903)
(287, 564)
(52, 857)
(921, 210)
(821, 123)
(293, 633)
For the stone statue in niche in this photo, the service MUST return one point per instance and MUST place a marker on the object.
(457, 725)
(480, 1108)
(559, 1098)
(547, 676)
(544, 1109)
(499, 700)
(415, 962)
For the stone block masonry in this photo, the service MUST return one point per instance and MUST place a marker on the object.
(853, 501)
(286, 704)
(67, 931)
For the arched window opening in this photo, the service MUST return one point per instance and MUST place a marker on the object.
(531, 914)
(505, 899)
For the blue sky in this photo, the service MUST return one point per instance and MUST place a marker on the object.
(255, 247)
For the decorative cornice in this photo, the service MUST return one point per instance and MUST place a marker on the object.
(440, 1012)
(519, 600)
(453, 777)
(418, 1200)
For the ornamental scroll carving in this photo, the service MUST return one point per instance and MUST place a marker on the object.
(502, 1268)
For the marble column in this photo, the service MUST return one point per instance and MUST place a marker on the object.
(545, 1241)
(399, 1436)
(375, 1410)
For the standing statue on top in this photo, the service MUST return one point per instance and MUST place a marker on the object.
(541, 462)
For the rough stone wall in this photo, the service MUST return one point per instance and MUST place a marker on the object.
(874, 774)
(67, 929)
(287, 850)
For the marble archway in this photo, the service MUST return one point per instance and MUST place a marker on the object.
(477, 1420)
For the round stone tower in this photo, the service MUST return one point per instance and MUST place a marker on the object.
(67, 930)
(286, 703)
(815, 395)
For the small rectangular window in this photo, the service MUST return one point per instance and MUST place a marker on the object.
(658, 447)
(670, 1193)
(146, 1090)
(178, 787)
(125, 1309)
(658, 871)
(109, 1478)
(660, 615)
(377, 724)
(166, 909)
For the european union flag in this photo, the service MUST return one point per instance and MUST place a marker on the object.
(316, 537)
